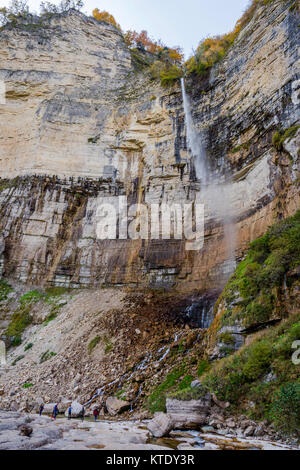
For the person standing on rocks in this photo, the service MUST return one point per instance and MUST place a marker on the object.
(82, 413)
(41, 409)
(70, 412)
(96, 413)
(55, 411)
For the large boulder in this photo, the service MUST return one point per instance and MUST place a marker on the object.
(189, 414)
(64, 405)
(48, 408)
(161, 425)
(76, 409)
(115, 406)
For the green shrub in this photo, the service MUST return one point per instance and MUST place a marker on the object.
(282, 135)
(285, 408)
(170, 75)
(189, 393)
(19, 358)
(19, 321)
(157, 399)
(262, 272)
(5, 289)
(203, 366)
(32, 296)
(27, 385)
(241, 377)
(226, 337)
(28, 346)
(258, 360)
(93, 344)
(16, 341)
(46, 356)
(108, 345)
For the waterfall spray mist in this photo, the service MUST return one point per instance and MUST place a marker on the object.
(214, 194)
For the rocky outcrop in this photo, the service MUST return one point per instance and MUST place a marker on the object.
(115, 406)
(188, 414)
(161, 424)
(88, 115)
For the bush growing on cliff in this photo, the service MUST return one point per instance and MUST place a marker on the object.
(213, 49)
(16, 9)
(106, 17)
(285, 408)
(258, 278)
(157, 399)
(19, 321)
(243, 376)
(166, 73)
(5, 289)
(282, 135)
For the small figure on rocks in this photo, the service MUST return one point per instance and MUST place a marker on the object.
(82, 413)
(96, 413)
(55, 412)
(41, 409)
(70, 412)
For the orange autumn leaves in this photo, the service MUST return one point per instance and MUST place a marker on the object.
(105, 16)
(134, 39)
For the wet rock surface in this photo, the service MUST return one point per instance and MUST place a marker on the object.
(63, 434)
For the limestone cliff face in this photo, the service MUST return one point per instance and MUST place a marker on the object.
(80, 122)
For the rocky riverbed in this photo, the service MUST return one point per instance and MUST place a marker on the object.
(20, 431)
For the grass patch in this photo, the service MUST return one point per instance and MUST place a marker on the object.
(19, 358)
(108, 344)
(241, 377)
(93, 344)
(5, 289)
(282, 135)
(27, 385)
(46, 356)
(21, 318)
(203, 366)
(31, 297)
(157, 399)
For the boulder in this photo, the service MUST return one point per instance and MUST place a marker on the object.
(25, 430)
(189, 414)
(220, 403)
(160, 425)
(249, 431)
(48, 408)
(196, 384)
(76, 409)
(64, 405)
(115, 406)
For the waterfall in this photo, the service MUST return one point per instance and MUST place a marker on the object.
(215, 194)
(194, 140)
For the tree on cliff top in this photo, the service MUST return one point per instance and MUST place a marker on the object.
(19, 9)
(105, 16)
(16, 8)
(64, 5)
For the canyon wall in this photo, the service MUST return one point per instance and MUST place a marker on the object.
(84, 121)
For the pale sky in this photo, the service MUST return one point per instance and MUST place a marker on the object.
(176, 22)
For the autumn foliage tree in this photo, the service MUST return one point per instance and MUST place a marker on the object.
(212, 49)
(142, 40)
(105, 16)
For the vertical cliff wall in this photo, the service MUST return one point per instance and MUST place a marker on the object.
(81, 122)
